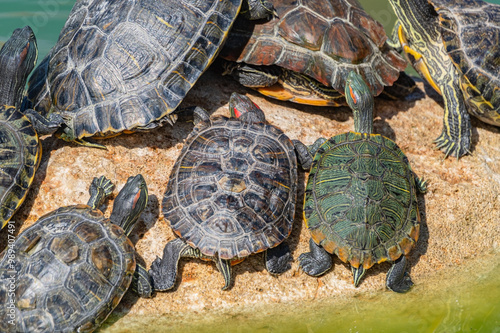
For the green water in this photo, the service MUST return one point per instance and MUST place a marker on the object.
(469, 302)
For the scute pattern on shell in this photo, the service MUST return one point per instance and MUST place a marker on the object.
(232, 191)
(471, 34)
(360, 200)
(124, 65)
(19, 158)
(323, 39)
(70, 267)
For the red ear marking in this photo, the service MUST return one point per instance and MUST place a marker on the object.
(24, 52)
(137, 196)
(352, 95)
(258, 107)
(237, 113)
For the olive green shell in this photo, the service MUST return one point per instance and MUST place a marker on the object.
(360, 199)
(72, 266)
(232, 191)
(323, 39)
(125, 65)
(20, 152)
(470, 30)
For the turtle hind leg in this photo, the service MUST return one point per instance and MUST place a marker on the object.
(398, 279)
(317, 261)
(142, 283)
(100, 188)
(224, 266)
(421, 184)
(164, 271)
(278, 259)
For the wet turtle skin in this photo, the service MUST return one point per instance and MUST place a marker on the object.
(121, 66)
(323, 40)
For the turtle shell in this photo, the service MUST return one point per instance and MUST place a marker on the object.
(20, 152)
(71, 269)
(323, 39)
(360, 200)
(125, 65)
(232, 191)
(470, 30)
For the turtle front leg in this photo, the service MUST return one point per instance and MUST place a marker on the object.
(317, 261)
(455, 140)
(164, 271)
(306, 154)
(42, 125)
(398, 279)
(278, 259)
(142, 283)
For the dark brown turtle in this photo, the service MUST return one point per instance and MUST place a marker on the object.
(72, 267)
(231, 194)
(122, 66)
(305, 53)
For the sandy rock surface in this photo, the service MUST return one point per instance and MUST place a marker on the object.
(460, 212)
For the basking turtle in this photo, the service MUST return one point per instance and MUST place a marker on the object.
(454, 46)
(122, 66)
(305, 53)
(231, 194)
(20, 149)
(361, 198)
(72, 267)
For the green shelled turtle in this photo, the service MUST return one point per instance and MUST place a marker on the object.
(361, 198)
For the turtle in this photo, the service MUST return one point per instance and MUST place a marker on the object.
(361, 198)
(304, 53)
(454, 46)
(123, 66)
(20, 148)
(71, 268)
(231, 194)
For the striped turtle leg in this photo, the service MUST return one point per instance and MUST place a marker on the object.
(257, 9)
(99, 189)
(42, 125)
(317, 261)
(278, 259)
(164, 271)
(224, 266)
(142, 284)
(306, 154)
(398, 279)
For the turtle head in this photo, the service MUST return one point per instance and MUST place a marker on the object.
(17, 59)
(130, 203)
(360, 99)
(243, 108)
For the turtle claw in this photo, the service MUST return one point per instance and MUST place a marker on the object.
(316, 262)
(451, 147)
(161, 280)
(398, 279)
(278, 259)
